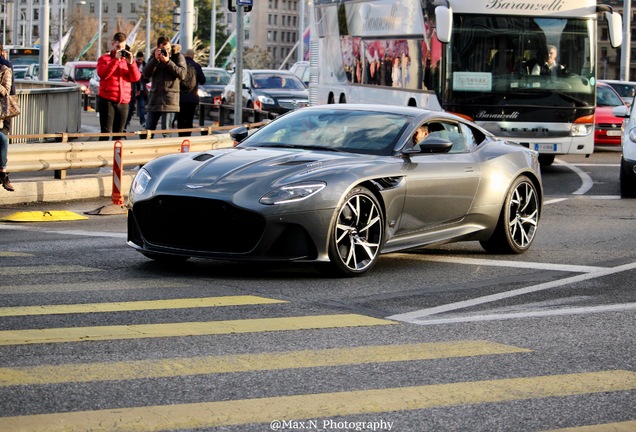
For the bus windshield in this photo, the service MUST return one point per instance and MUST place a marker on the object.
(506, 60)
(23, 56)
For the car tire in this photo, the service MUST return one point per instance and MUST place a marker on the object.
(357, 233)
(628, 186)
(546, 159)
(518, 220)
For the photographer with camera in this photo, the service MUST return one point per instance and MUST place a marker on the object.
(165, 69)
(116, 72)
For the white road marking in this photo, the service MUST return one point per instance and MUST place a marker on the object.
(533, 314)
(413, 317)
(13, 226)
(586, 180)
(514, 264)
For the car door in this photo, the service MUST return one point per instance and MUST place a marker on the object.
(440, 187)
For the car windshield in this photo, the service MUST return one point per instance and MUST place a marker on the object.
(624, 89)
(277, 81)
(366, 132)
(605, 96)
(55, 73)
(83, 74)
(216, 77)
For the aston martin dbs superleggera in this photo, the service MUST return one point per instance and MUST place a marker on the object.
(339, 184)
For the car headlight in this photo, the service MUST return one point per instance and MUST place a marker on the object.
(141, 181)
(266, 100)
(291, 193)
(203, 93)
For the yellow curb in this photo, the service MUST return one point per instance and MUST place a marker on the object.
(43, 216)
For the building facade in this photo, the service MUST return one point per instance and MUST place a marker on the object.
(273, 26)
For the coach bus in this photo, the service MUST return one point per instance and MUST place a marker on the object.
(492, 61)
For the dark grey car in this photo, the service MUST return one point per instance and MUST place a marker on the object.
(275, 91)
(339, 184)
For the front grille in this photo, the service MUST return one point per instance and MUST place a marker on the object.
(609, 126)
(198, 224)
(292, 104)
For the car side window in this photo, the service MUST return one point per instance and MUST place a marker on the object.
(448, 131)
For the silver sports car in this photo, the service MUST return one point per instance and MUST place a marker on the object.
(339, 184)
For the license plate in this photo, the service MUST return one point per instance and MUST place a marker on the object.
(614, 133)
(546, 147)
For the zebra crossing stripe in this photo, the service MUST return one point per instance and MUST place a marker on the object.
(136, 305)
(628, 426)
(14, 254)
(141, 331)
(324, 405)
(46, 269)
(164, 368)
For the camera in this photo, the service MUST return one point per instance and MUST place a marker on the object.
(125, 54)
(164, 52)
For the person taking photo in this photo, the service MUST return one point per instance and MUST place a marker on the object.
(117, 72)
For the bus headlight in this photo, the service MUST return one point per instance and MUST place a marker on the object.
(582, 129)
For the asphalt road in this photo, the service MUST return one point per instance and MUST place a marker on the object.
(442, 339)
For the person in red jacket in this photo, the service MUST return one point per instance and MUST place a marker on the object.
(116, 70)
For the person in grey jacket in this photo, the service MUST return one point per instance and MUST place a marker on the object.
(165, 70)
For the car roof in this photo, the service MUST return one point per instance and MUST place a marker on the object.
(389, 109)
(82, 63)
(617, 82)
(269, 71)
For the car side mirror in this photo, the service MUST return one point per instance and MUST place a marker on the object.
(238, 134)
(434, 144)
(431, 144)
(620, 111)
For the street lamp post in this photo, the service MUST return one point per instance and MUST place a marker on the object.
(61, 31)
(99, 30)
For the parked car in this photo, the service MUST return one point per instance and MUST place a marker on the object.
(301, 70)
(627, 174)
(328, 184)
(607, 127)
(215, 81)
(55, 72)
(19, 72)
(275, 91)
(79, 72)
(625, 89)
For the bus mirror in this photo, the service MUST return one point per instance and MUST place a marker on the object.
(615, 24)
(444, 22)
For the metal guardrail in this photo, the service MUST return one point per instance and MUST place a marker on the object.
(60, 157)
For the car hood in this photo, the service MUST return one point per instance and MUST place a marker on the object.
(228, 172)
(603, 114)
(212, 87)
(283, 93)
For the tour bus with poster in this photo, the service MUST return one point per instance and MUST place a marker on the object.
(524, 70)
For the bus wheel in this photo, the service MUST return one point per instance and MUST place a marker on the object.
(546, 159)
(343, 99)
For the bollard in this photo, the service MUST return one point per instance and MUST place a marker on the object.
(185, 146)
(117, 174)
